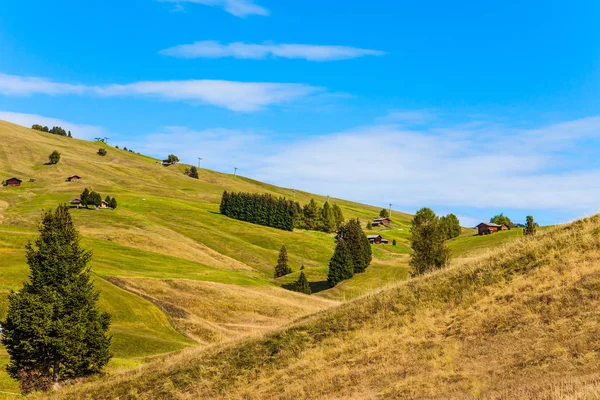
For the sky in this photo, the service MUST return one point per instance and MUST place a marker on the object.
(468, 107)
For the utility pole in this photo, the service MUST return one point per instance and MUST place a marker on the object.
(106, 139)
(234, 171)
(199, 159)
(390, 210)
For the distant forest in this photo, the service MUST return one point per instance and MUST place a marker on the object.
(281, 213)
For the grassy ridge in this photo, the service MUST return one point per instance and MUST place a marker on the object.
(518, 322)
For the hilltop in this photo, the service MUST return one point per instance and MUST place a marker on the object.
(517, 322)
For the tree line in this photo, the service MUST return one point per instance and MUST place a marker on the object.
(56, 130)
(281, 213)
(91, 198)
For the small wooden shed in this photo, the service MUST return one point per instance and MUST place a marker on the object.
(15, 182)
(74, 178)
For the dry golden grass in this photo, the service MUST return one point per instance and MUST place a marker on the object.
(211, 312)
(521, 322)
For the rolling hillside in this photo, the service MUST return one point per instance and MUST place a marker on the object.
(172, 271)
(517, 322)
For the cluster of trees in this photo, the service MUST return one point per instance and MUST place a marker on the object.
(352, 253)
(172, 159)
(450, 225)
(262, 209)
(56, 130)
(502, 219)
(282, 268)
(54, 329)
(429, 237)
(91, 198)
(102, 152)
(316, 218)
(265, 209)
(54, 157)
(192, 172)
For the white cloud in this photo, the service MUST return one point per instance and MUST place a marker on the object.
(88, 132)
(236, 96)
(239, 8)
(214, 49)
(469, 166)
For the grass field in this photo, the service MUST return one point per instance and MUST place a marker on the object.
(517, 322)
(166, 242)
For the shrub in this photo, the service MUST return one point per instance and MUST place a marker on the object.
(102, 152)
(54, 157)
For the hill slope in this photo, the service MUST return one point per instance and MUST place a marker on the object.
(519, 322)
(165, 256)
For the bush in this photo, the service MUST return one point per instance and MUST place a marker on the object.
(102, 152)
(54, 157)
(302, 285)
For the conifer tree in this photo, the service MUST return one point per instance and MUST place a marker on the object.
(341, 266)
(107, 200)
(369, 226)
(338, 216)
(327, 218)
(113, 203)
(53, 327)
(357, 243)
(428, 243)
(194, 172)
(311, 215)
(384, 213)
(84, 197)
(530, 227)
(394, 242)
(282, 267)
(302, 285)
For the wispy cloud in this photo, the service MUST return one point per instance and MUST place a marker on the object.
(80, 131)
(214, 49)
(472, 165)
(239, 8)
(236, 96)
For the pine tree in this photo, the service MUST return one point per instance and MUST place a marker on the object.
(384, 213)
(53, 327)
(341, 266)
(85, 197)
(108, 200)
(358, 244)
(194, 173)
(282, 267)
(327, 219)
(113, 203)
(428, 243)
(394, 242)
(530, 226)
(69, 135)
(369, 226)
(311, 215)
(338, 216)
(302, 285)
(94, 199)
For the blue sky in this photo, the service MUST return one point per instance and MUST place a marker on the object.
(473, 108)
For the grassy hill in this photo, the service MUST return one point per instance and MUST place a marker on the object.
(517, 322)
(172, 271)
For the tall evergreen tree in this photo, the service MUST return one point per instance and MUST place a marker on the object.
(327, 218)
(108, 200)
(53, 327)
(357, 243)
(341, 266)
(282, 267)
(450, 225)
(428, 242)
(302, 285)
(85, 197)
(311, 215)
(384, 213)
(369, 226)
(530, 226)
(113, 203)
(338, 216)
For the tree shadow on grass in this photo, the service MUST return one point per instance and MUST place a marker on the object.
(315, 287)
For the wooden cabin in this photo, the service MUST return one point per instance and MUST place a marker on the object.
(104, 204)
(381, 222)
(377, 239)
(487, 228)
(74, 178)
(15, 182)
(75, 203)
